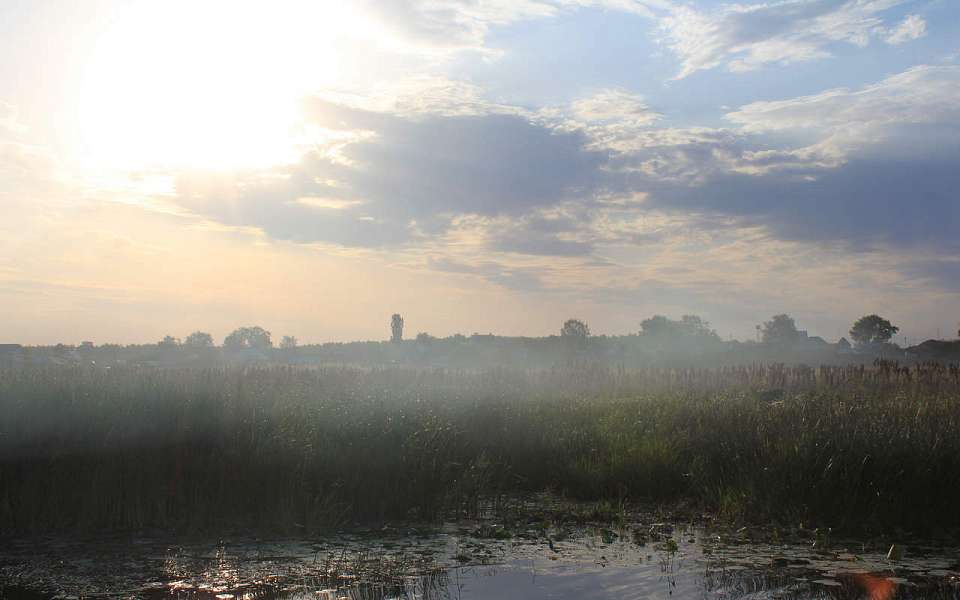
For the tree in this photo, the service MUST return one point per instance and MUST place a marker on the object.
(872, 329)
(658, 326)
(199, 339)
(169, 342)
(288, 342)
(575, 329)
(255, 338)
(396, 328)
(780, 329)
(425, 338)
(690, 326)
(843, 344)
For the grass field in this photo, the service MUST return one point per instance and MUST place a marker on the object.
(308, 449)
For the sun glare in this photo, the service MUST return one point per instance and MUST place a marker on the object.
(196, 85)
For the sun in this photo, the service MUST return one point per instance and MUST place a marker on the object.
(215, 85)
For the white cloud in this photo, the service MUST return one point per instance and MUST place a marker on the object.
(745, 37)
(923, 94)
(913, 111)
(441, 25)
(438, 26)
(881, 170)
(421, 95)
(614, 106)
(912, 28)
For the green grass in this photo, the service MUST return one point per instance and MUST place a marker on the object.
(308, 449)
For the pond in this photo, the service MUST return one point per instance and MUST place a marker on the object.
(641, 558)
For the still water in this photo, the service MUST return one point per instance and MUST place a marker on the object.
(645, 559)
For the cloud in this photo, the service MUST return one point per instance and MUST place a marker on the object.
(914, 115)
(421, 94)
(912, 28)
(894, 202)
(922, 94)
(744, 37)
(403, 178)
(614, 106)
(942, 273)
(883, 169)
(539, 236)
(452, 24)
(510, 277)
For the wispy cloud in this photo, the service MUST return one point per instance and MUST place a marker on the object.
(742, 37)
(912, 28)
(444, 25)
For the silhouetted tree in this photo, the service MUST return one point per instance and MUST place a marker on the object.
(424, 338)
(255, 338)
(780, 329)
(660, 326)
(657, 326)
(872, 329)
(288, 342)
(169, 342)
(843, 344)
(396, 328)
(575, 329)
(199, 339)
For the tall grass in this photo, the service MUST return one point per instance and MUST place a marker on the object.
(314, 448)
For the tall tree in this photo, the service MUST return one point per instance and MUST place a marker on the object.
(575, 329)
(872, 329)
(396, 328)
(780, 329)
(169, 341)
(199, 339)
(256, 338)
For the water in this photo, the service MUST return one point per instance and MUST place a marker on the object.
(466, 561)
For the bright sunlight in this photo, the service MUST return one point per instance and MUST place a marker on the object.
(203, 87)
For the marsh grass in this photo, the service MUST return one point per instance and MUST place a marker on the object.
(309, 449)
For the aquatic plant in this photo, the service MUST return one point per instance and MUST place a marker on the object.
(311, 448)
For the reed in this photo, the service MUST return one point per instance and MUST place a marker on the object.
(306, 449)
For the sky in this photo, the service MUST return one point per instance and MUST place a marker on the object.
(477, 166)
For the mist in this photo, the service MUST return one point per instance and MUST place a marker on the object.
(479, 299)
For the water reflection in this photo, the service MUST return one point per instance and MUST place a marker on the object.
(639, 561)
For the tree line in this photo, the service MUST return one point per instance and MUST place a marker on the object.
(780, 330)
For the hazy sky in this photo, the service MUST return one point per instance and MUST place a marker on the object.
(479, 166)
